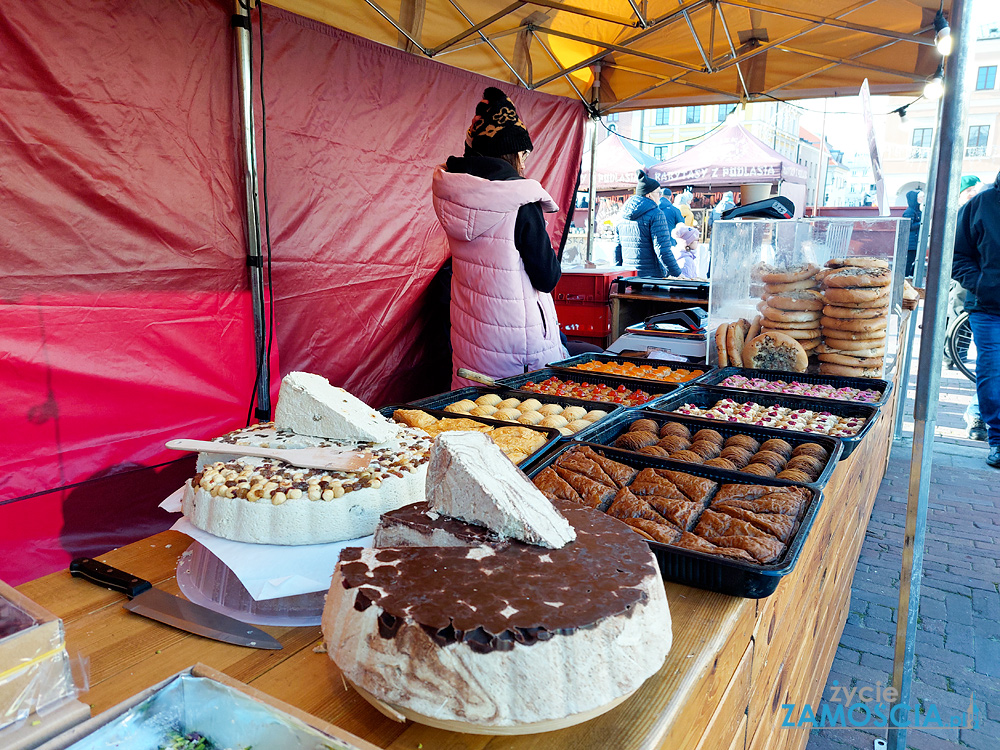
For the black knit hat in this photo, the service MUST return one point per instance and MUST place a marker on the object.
(496, 129)
(645, 185)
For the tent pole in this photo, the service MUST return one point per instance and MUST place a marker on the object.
(918, 278)
(591, 194)
(255, 261)
(820, 166)
(951, 148)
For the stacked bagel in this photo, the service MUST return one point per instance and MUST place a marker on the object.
(792, 304)
(855, 316)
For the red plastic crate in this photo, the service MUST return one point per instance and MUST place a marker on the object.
(584, 319)
(589, 285)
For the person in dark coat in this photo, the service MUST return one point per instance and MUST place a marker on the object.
(671, 213)
(914, 214)
(977, 269)
(643, 239)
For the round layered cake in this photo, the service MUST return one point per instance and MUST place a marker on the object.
(270, 502)
(492, 634)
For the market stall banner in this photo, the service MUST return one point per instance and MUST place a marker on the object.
(125, 318)
(354, 131)
(732, 156)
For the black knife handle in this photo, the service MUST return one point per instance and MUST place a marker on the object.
(105, 575)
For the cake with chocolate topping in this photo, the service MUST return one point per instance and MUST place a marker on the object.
(468, 624)
(266, 501)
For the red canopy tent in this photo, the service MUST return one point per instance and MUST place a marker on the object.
(616, 161)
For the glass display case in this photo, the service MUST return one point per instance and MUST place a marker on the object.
(748, 258)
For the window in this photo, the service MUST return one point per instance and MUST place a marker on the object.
(612, 117)
(987, 78)
(978, 136)
(724, 110)
(921, 143)
(663, 117)
(660, 152)
(693, 115)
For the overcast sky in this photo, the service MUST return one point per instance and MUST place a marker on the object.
(847, 131)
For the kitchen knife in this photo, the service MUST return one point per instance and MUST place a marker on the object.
(166, 608)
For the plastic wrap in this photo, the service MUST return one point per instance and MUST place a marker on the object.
(226, 716)
(34, 666)
(740, 247)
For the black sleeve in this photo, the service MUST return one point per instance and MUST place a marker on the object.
(532, 242)
(966, 269)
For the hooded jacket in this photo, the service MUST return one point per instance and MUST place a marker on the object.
(643, 239)
(977, 251)
(912, 213)
(500, 324)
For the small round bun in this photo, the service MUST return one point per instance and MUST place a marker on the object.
(461, 407)
(791, 286)
(483, 411)
(507, 415)
(633, 441)
(554, 420)
(721, 463)
(530, 404)
(594, 414)
(811, 449)
(805, 300)
(674, 443)
(706, 448)
(836, 311)
(654, 450)
(794, 475)
(488, 399)
(853, 276)
(550, 409)
(509, 403)
(573, 413)
(761, 470)
(739, 456)
(707, 434)
(743, 441)
(789, 274)
(675, 428)
(858, 262)
(852, 361)
(789, 316)
(646, 425)
(853, 295)
(688, 457)
(777, 445)
(530, 417)
(578, 424)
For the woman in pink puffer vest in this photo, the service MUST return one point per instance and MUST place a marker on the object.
(503, 320)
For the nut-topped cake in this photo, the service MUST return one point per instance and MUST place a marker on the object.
(477, 629)
(270, 502)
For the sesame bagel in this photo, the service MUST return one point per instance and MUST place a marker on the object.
(835, 311)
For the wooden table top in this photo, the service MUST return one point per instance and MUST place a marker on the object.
(128, 653)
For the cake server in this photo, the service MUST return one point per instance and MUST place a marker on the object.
(328, 459)
(169, 609)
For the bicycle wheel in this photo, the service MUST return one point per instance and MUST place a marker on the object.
(961, 347)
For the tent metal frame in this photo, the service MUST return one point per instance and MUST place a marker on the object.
(682, 14)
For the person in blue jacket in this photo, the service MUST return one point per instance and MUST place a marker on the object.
(671, 213)
(643, 239)
(915, 215)
(977, 269)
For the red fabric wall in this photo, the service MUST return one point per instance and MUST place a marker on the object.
(124, 313)
(354, 130)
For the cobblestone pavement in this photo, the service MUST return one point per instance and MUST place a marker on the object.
(958, 636)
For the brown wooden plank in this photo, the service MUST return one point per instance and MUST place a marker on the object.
(732, 710)
(740, 738)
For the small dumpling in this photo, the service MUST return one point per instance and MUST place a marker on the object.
(488, 399)
(594, 414)
(550, 409)
(573, 413)
(483, 411)
(530, 417)
(461, 407)
(578, 424)
(507, 415)
(531, 404)
(556, 420)
(509, 403)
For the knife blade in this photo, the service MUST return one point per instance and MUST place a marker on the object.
(158, 605)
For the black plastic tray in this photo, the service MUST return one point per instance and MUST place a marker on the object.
(543, 450)
(704, 396)
(473, 392)
(611, 428)
(568, 365)
(699, 569)
(660, 390)
(716, 377)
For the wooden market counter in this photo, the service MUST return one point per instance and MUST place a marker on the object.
(733, 663)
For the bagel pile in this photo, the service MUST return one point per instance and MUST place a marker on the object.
(792, 304)
(855, 316)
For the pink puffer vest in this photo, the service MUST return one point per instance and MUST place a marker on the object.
(500, 324)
